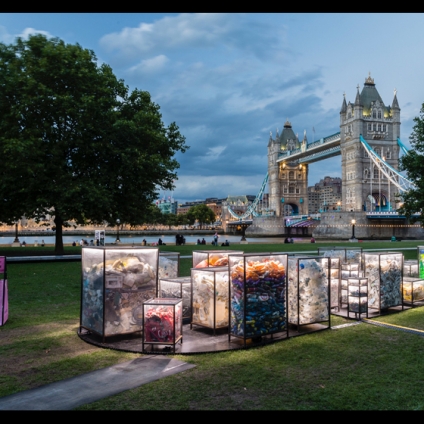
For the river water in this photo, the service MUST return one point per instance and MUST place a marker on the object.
(167, 239)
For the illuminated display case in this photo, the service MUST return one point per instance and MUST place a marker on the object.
(384, 273)
(413, 290)
(163, 322)
(351, 270)
(4, 297)
(212, 258)
(346, 254)
(258, 293)
(177, 288)
(308, 290)
(115, 283)
(410, 268)
(357, 296)
(334, 276)
(209, 297)
(420, 251)
(169, 265)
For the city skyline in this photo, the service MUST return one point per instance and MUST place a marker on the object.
(228, 80)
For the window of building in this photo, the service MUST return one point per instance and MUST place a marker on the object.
(291, 175)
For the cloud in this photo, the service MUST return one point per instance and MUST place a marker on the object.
(31, 31)
(197, 31)
(150, 66)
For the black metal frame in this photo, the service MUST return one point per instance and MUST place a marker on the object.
(246, 256)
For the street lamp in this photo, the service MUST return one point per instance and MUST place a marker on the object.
(353, 229)
(16, 233)
(118, 221)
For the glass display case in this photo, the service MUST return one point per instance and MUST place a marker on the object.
(357, 296)
(169, 265)
(162, 322)
(346, 254)
(413, 290)
(420, 251)
(209, 297)
(115, 283)
(212, 258)
(177, 288)
(258, 293)
(384, 273)
(308, 290)
(410, 268)
(351, 270)
(4, 295)
(334, 276)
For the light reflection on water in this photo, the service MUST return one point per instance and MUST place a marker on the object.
(167, 239)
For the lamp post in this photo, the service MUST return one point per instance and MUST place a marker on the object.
(16, 233)
(118, 221)
(353, 229)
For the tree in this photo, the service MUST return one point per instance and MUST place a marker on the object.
(413, 164)
(202, 213)
(74, 142)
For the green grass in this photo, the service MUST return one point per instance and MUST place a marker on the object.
(357, 367)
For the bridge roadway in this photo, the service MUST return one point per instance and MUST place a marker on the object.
(324, 148)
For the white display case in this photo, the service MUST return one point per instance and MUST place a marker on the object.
(410, 268)
(209, 297)
(115, 283)
(308, 290)
(169, 265)
(212, 258)
(334, 274)
(258, 293)
(384, 272)
(351, 270)
(177, 288)
(346, 254)
(357, 296)
(162, 322)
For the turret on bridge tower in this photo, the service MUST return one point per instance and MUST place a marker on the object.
(365, 188)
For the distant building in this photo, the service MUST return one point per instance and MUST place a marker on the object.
(326, 195)
(167, 206)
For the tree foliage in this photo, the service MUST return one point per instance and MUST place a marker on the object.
(74, 142)
(413, 164)
(201, 213)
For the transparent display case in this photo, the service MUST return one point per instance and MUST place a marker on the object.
(384, 273)
(162, 320)
(177, 288)
(115, 283)
(4, 296)
(258, 293)
(413, 290)
(410, 268)
(212, 258)
(357, 296)
(308, 290)
(351, 270)
(209, 297)
(346, 254)
(169, 265)
(334, 276)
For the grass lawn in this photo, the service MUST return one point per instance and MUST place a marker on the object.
(356, 367)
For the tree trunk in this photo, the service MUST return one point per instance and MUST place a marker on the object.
(58, 247)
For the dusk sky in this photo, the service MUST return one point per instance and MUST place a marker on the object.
(227, 80)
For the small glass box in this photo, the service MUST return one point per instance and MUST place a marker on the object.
(410, 268)
(163, 323)
(212, 258)
(346, 254)
(351, 270)
(169, 264)
(209, 297)
(258, 293)
(177, 288)
(357, 296)
(413, 290)
(115, 283)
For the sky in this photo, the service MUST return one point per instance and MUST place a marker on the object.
(228, 80)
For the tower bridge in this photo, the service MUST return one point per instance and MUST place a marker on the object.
(369, 145)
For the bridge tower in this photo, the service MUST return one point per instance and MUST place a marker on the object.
(287, 181)
(365, 188)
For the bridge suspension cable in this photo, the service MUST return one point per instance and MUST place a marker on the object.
(404, 149)
(395, 177)
(251, 209)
